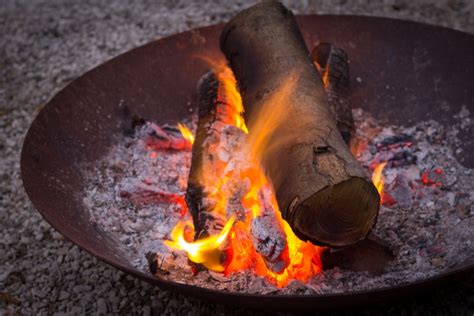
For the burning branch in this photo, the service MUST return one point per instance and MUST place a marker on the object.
(223, 179)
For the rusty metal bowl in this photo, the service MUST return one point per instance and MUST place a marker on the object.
(410, 72)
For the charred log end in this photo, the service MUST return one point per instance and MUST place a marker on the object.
(152, 262)
(338, 215)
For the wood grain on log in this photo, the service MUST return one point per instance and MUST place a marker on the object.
(322, 191)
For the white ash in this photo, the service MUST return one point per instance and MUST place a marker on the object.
(131, 167)
(427, 222)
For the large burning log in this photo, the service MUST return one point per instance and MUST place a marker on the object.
(322, 191)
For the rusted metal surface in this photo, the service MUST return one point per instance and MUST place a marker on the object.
(408, 72)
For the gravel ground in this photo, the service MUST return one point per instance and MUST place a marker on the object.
(46, 44)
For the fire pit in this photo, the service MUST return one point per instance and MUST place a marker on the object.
(91, 168)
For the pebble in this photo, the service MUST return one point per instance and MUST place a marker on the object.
(437, 262)
(451, 198)
(38, 293)
(146, 310)
(63, 295)
(81, 288)
(101, 306)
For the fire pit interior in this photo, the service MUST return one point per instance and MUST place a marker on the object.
(172, 162)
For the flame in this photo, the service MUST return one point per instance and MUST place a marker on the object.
(205, 251)
(377, 178)
(302, 258)
(186, 132)
(270, 116)
(228, 89)
(233, 249)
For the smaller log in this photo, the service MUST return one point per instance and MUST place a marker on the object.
(333, 65)
(204, 163)
(218, 151)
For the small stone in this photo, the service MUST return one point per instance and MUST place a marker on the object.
(451, 198)
(70, 277)
(146, 310)
(75, 266)
(101, 306)
(39, 236)
(5, 275)
(63, 295)
(437, 262)
(57, 236)
(462, 211)
(39, 293)
(81, 288)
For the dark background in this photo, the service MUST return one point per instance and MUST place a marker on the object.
(46, 44)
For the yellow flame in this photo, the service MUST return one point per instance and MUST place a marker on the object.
(269, 118)
(206, 251)
(325, 78)
(186, 132)
(377, 178)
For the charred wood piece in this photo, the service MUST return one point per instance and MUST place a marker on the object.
(163, 137)
(141, 194)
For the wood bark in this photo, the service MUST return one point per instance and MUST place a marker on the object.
(206, 221)
(323, 193)
(332, 63)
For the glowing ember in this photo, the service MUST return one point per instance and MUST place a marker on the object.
(234, 249)
(377, 178)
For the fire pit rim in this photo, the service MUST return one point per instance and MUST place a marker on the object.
(282, 301)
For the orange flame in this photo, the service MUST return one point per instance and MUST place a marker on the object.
(206, 251)
(233, 249)
(377, 178)
(186, 132)
(229, 88)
